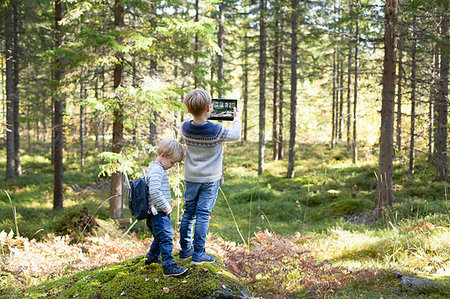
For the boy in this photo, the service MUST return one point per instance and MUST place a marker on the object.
(169, 153)
(202, 172)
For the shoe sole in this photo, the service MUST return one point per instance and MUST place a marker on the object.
(176, 274)
(203, 262)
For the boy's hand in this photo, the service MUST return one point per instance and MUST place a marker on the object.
(167, 214)
(236, 112)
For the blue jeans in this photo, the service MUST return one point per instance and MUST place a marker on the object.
(199, 201)
(162, 230)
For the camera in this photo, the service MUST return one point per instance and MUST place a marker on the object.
(222, 109)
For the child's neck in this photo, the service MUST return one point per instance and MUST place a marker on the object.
(200, 119)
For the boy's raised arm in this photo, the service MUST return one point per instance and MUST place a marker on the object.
(235, 132)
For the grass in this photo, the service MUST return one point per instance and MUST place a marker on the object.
(327, 188)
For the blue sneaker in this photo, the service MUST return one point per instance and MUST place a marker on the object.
(174, 270)
(204, 258)
(149, 261)
(188, 254)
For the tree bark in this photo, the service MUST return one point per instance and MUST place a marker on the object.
(349, 83)
(441, 170)
(115, 208)
(413, 100)
(384, 194)
(293, 122)
(399, 95)
(17, 164)
(81, 124)
(262, 84)
(280, 108)
(220, 57)
(333, 109)
(431, 108)
(58, 115)
(275, 90)
(9, 38)
(341, 99)
(355, 90)
(245, 95)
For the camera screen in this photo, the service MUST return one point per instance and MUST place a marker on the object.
(222, 109)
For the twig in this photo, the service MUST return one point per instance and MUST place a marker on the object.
(232, 215)
(92, 217)
(14, 213)
(131, 226)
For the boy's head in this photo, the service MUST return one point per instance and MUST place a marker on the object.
(197, 101)
(169, 152)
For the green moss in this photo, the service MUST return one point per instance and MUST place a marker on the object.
(132, 279)
(346, 207)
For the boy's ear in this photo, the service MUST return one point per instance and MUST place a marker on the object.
(208, 108)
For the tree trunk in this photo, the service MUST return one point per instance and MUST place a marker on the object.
(349, 83)
(81, 124)
(341, 99)
(17, 164)
(280, 108)
(58, 118)
(196, 47)
(115, 208)
(399, 95)
(431, 108)
(245, 95)
(9, 38)
(355, 90)
(384, 194)
(293, 122)
(333, 107)
(220, 57)
(262, 84)
(441, 170)
(413, 100)
(275, 91)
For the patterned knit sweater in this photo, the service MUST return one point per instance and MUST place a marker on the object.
(158, 187)
(204, 155)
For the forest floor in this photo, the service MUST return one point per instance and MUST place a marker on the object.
(308, 236)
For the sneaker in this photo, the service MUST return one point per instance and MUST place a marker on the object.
(188, 254)
(149, 261)
(174, 270)
(204, 258)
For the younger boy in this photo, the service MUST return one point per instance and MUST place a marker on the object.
(169, 152)
(202, 172)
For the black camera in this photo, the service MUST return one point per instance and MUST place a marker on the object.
(222, 109)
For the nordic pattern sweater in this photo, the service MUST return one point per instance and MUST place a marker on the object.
(204, 155)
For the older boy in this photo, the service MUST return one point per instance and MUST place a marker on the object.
(169, 153)
(202, 172)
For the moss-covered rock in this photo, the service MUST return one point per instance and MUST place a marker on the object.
(132, 279)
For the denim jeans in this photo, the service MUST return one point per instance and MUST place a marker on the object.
(199, 201)
(162, 230)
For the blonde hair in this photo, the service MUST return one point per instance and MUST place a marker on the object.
(196, 101)
(170, 148)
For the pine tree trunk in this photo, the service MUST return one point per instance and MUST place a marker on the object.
(384, 194)
(115, 208)
(9, 37)
(262, 84)
(280, 108)
(333, 108)
(413, 100)
(275, 92)
(196, 47)
(58, 118)
(441, 170)
(293, 113)
(341, 99)
(431, 108)
(399, 95)
(245, 95)
(17, 164)
(220, 57)
(81, 124)
(349, 83)
(355, 90)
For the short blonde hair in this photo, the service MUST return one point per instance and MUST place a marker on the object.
(170, 148)
(197, 101)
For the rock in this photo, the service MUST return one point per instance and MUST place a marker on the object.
(417, 284)
(227, 293)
